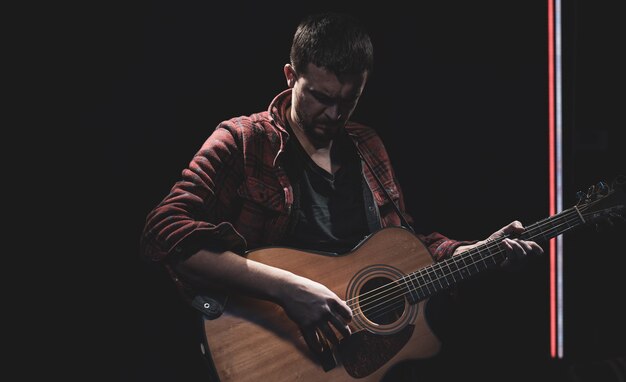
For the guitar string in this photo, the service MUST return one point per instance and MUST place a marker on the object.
(488, 245)
(467, 261)
(396, 305)
(469, 255)
(387, 307)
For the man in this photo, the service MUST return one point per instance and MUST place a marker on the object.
(300, 174)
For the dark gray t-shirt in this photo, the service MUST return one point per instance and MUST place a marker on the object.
(329, 208)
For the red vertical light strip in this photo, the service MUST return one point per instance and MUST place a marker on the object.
(552, 180)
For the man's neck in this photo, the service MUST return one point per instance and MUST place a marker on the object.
(320, 152)
(310, 144)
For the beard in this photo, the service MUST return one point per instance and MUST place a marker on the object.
(319, 130)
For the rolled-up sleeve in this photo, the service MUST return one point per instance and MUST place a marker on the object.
(440, 246)
(194, 215)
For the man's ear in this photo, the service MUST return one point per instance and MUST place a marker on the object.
(290, 75)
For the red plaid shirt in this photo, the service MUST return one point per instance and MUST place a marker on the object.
(235, 195)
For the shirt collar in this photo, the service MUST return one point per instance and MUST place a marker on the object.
(278, 115)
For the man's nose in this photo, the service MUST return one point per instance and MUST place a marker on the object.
(333, 112)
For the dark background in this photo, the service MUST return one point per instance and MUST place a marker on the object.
(459, 95)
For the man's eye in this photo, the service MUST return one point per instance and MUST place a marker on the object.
(322, 98)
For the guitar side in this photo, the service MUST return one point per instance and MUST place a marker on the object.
(255, 340)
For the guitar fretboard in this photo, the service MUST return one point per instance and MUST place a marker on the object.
(445, 274)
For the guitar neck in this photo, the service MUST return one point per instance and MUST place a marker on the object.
(445, 274)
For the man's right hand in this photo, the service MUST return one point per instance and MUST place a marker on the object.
(312, 306)
(316, 309)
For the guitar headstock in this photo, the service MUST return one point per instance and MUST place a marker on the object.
(603, 203)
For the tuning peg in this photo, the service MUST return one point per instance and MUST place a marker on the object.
(603, 188)
(591, 191)
(580, 196)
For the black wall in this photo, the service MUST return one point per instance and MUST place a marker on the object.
(459, 95)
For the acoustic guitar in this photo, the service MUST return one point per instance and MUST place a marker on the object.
(387, 280)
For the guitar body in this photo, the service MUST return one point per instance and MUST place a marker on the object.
(387, 281)
(254, 340)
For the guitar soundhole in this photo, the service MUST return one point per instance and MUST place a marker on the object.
(382, 301)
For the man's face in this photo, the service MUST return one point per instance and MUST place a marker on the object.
(322, 102)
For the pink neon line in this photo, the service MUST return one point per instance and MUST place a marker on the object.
(552, 183)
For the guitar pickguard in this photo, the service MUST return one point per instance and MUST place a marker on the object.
(363, 353)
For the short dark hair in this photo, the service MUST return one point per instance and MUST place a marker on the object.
(334, 41)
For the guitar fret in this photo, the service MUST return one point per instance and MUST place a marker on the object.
(437, 276)
(428, 283)
(475, 257)
(476, 260)
(553, 228)
(448, 273)
(568, 225)
(540, 233)
(544, 236)
(413, 297)
(442, 275)
(451, 269)
(461, 269)
(491, 255)
(482, 258)
(419, 290)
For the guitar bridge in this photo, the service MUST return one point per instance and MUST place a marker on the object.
(327, 359)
